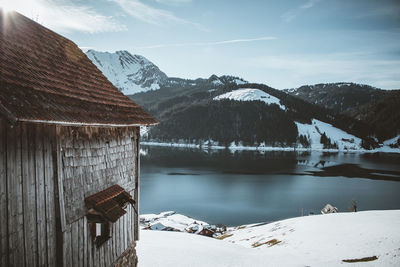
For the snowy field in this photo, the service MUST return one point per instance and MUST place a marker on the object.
(319, 240)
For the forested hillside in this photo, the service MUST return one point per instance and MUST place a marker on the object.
(191, 115)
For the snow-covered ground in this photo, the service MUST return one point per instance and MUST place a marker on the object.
(319, 240)
(392, 141)
(248, 94)
(313, 131)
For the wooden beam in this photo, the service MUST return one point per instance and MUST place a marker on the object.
(4, 251)
(137, 182)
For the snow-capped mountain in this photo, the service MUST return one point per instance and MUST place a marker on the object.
(129, 73)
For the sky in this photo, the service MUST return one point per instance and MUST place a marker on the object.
(284, 44)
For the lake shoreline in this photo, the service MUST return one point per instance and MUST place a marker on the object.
(383, 149)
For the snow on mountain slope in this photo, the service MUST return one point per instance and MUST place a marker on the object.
(319, 240)
(313, 131)
(247, 94)
(393, 141)
(129, 73)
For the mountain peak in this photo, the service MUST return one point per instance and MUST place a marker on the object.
(129, 73)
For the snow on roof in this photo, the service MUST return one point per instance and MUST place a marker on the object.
(249, 94)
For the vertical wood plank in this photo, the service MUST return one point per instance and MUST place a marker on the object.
(49, 196)
(126, 231)
(60, 178)
(111, 246)
(81, 243)
(101, 256)
(14, 190)
(89, 247)
(3, 196)
(40, 199)
(75, 243)
(128, 218)
(67, 253)
(85, 242)
(116, 238)
(106, 255)
(120, 234)
(29, 190)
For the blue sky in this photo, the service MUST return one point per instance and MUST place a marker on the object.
(283, 44)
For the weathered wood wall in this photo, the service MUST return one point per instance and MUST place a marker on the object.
(80, 251)
(93, 159)
(45, 174)
(27, 207)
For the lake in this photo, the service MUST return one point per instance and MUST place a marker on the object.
(234, 188)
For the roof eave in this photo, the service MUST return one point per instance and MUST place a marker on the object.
(67, 123)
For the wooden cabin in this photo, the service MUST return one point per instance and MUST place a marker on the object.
(69, 154)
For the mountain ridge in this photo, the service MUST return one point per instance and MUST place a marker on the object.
(184, 105)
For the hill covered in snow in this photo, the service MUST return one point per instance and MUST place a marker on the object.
(368, 238)
(250, 94)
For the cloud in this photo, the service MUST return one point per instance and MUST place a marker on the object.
(65, 16)
(295, 70)
(173, 2)
(293, 13)
(265, 38)
(86, 48)
(152, 15)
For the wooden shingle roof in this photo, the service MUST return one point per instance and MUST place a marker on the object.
(110, 202)
(46, 78)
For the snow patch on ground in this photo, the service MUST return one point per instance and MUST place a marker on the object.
(217, 82)
(239, 82)
(313, 131)
(247, 94)
(392, 141)
(319, 240)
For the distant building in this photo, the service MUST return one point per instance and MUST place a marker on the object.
(69, 154)
(329, 209)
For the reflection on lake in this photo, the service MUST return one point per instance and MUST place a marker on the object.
(249, 186)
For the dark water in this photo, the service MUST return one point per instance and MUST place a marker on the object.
(248, 187)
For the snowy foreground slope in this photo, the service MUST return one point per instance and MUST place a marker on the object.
(319, 240)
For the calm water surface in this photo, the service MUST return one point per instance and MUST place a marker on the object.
(248, 186)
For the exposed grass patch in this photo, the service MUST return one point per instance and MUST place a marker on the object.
(223, 236)
(361, 259)
(270, 243)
